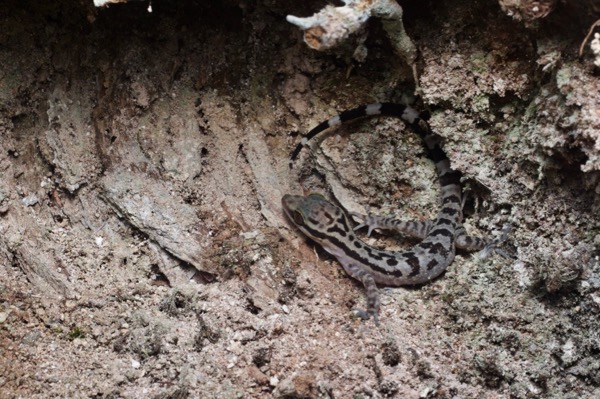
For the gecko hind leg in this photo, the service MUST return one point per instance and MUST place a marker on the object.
(485, 246)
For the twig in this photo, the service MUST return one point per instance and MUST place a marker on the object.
(587, 37)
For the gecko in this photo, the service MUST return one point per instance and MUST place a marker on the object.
(328, 225)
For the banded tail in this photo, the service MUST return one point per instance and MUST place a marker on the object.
(414, 119)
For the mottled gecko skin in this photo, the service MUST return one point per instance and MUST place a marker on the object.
(328, 225)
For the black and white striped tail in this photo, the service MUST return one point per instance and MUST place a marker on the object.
(416, 120)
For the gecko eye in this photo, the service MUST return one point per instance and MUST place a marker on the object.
(298, 218)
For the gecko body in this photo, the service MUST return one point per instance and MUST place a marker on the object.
(328, 224)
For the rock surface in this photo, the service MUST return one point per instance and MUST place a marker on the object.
(144, 252)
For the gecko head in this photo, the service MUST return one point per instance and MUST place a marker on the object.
(312, 214)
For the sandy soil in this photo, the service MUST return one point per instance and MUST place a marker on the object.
(144, 252)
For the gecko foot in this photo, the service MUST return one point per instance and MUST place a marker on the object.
(370, 221)
(495, 245)
(365, 315)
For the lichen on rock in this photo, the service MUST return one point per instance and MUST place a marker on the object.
(332, 25)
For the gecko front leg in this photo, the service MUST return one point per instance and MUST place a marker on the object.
(362, 275)
(420, 229)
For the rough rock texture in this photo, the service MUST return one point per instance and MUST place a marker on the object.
(144, 252)
(333, 25)
(527, 10)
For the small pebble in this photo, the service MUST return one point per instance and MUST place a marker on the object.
(30, 200)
